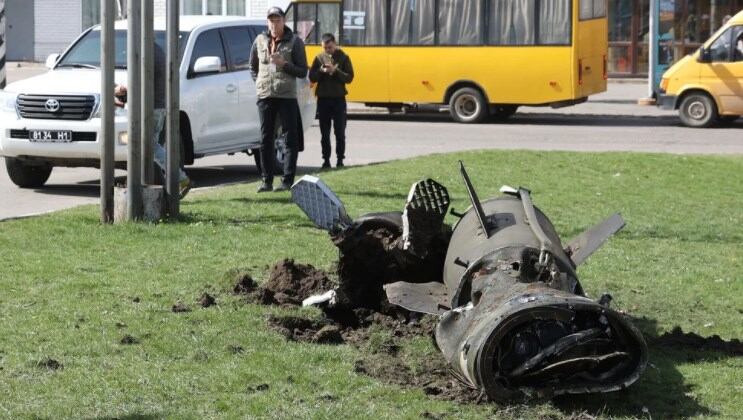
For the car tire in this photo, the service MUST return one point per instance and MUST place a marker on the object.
(468, 106)
(698, 110)
(280, 154)
(502, 112)
(25, 175)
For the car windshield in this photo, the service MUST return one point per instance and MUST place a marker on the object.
(86, 53)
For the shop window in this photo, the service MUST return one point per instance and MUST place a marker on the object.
(460, 22)
(364, 22)
(192, 7)
(91, 13)
(554, 22)
(511, 22)
(235, 8)
(412, 22)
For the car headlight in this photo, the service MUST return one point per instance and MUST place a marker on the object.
(8, 101)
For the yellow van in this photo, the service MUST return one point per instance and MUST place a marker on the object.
(707, 86)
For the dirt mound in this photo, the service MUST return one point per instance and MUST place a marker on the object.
(678, 338)
(206, 300)
(245, 285)
(50, 364)
(290, 283)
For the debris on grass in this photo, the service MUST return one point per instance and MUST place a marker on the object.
(206, 300)
(128, 340)
(49, 364)
(180, 307)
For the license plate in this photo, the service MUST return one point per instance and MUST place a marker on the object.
(50, 136)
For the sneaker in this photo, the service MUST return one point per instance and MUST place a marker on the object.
(283, 187)
(340, 164)
(326, 164)
(265, 187)
(184, 186)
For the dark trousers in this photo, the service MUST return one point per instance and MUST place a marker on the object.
(332, 110)
(269, 109)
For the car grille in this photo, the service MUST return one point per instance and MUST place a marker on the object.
(75, 108)
(81, 136)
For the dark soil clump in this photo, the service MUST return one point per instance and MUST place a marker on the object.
(691, 341)
(180, 307)
(206, 300)
(128, 340)
(245, 285)
(50, 364)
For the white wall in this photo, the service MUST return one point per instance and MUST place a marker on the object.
(57, 24)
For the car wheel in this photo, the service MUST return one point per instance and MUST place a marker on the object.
(698, 110)
(468, 105)
(25, 175)
(280, 153)
(502, 112)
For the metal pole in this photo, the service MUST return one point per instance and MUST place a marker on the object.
(173, 104)
(134, 93)
(653, 46)
(148, 101)
(108, 16)
(3, 47)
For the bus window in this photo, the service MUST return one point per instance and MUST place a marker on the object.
(364, 22)
(305, 25)
(554, 22)
(460, 22)
(512, 22)
(412, 22)
(592, 9)
(328, 19)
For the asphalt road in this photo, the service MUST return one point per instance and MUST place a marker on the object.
(609, 122)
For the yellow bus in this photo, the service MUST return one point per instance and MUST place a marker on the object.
(482, 58)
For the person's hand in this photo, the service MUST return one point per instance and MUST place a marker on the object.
(278, 60)
(331, 68)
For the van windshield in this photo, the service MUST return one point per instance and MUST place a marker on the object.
(86, 53)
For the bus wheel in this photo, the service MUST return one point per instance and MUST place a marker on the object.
(698, 110)
(467, 105)
(502, 112)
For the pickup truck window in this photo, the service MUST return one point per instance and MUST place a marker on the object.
(208, 44)
(86, 52)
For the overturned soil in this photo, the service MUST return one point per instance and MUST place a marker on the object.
(289, 283)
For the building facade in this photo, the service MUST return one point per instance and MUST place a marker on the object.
(38, 28)
(684, 26)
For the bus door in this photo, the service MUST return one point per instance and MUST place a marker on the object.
(590, 48)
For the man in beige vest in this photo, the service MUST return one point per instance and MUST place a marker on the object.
(277, 59)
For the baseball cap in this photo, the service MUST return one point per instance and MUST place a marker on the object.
(275, 11)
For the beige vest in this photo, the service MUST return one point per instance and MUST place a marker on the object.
(274, 83)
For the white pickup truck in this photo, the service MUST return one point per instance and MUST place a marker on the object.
(54, 119)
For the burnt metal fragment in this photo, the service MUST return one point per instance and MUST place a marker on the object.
(515, 322)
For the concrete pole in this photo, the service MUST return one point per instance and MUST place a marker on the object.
(148, 101)
(108, 16)
(3, 47)
(134, 96)
(653, 45)
(173, 104)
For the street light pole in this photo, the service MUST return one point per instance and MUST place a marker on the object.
(108, 16)
(173, 109)
(134, 208)
(148, 39)
(653, 46)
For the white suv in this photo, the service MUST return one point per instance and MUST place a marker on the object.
(54, 119)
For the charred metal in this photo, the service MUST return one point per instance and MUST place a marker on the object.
(514, 320)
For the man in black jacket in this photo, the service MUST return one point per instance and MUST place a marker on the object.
(332, 70)
(277, 60)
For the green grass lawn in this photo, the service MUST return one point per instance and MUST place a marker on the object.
(70, 289)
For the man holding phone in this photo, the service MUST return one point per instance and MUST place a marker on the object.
(332, 71)
(277, 60)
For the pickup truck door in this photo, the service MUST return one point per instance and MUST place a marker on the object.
(211, 99)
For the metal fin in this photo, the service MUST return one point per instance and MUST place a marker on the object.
(427, 298)
(476, 205)
(320, 204)
(425, 209)
(589, 241)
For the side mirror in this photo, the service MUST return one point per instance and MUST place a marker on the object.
(205, 65)
(705, 56)
(51, 61)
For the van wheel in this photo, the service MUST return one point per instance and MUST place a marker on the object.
(25, 175)
(698, 110)
(468, 106)
(502, 112)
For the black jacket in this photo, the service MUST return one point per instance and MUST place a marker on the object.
(332, 86)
